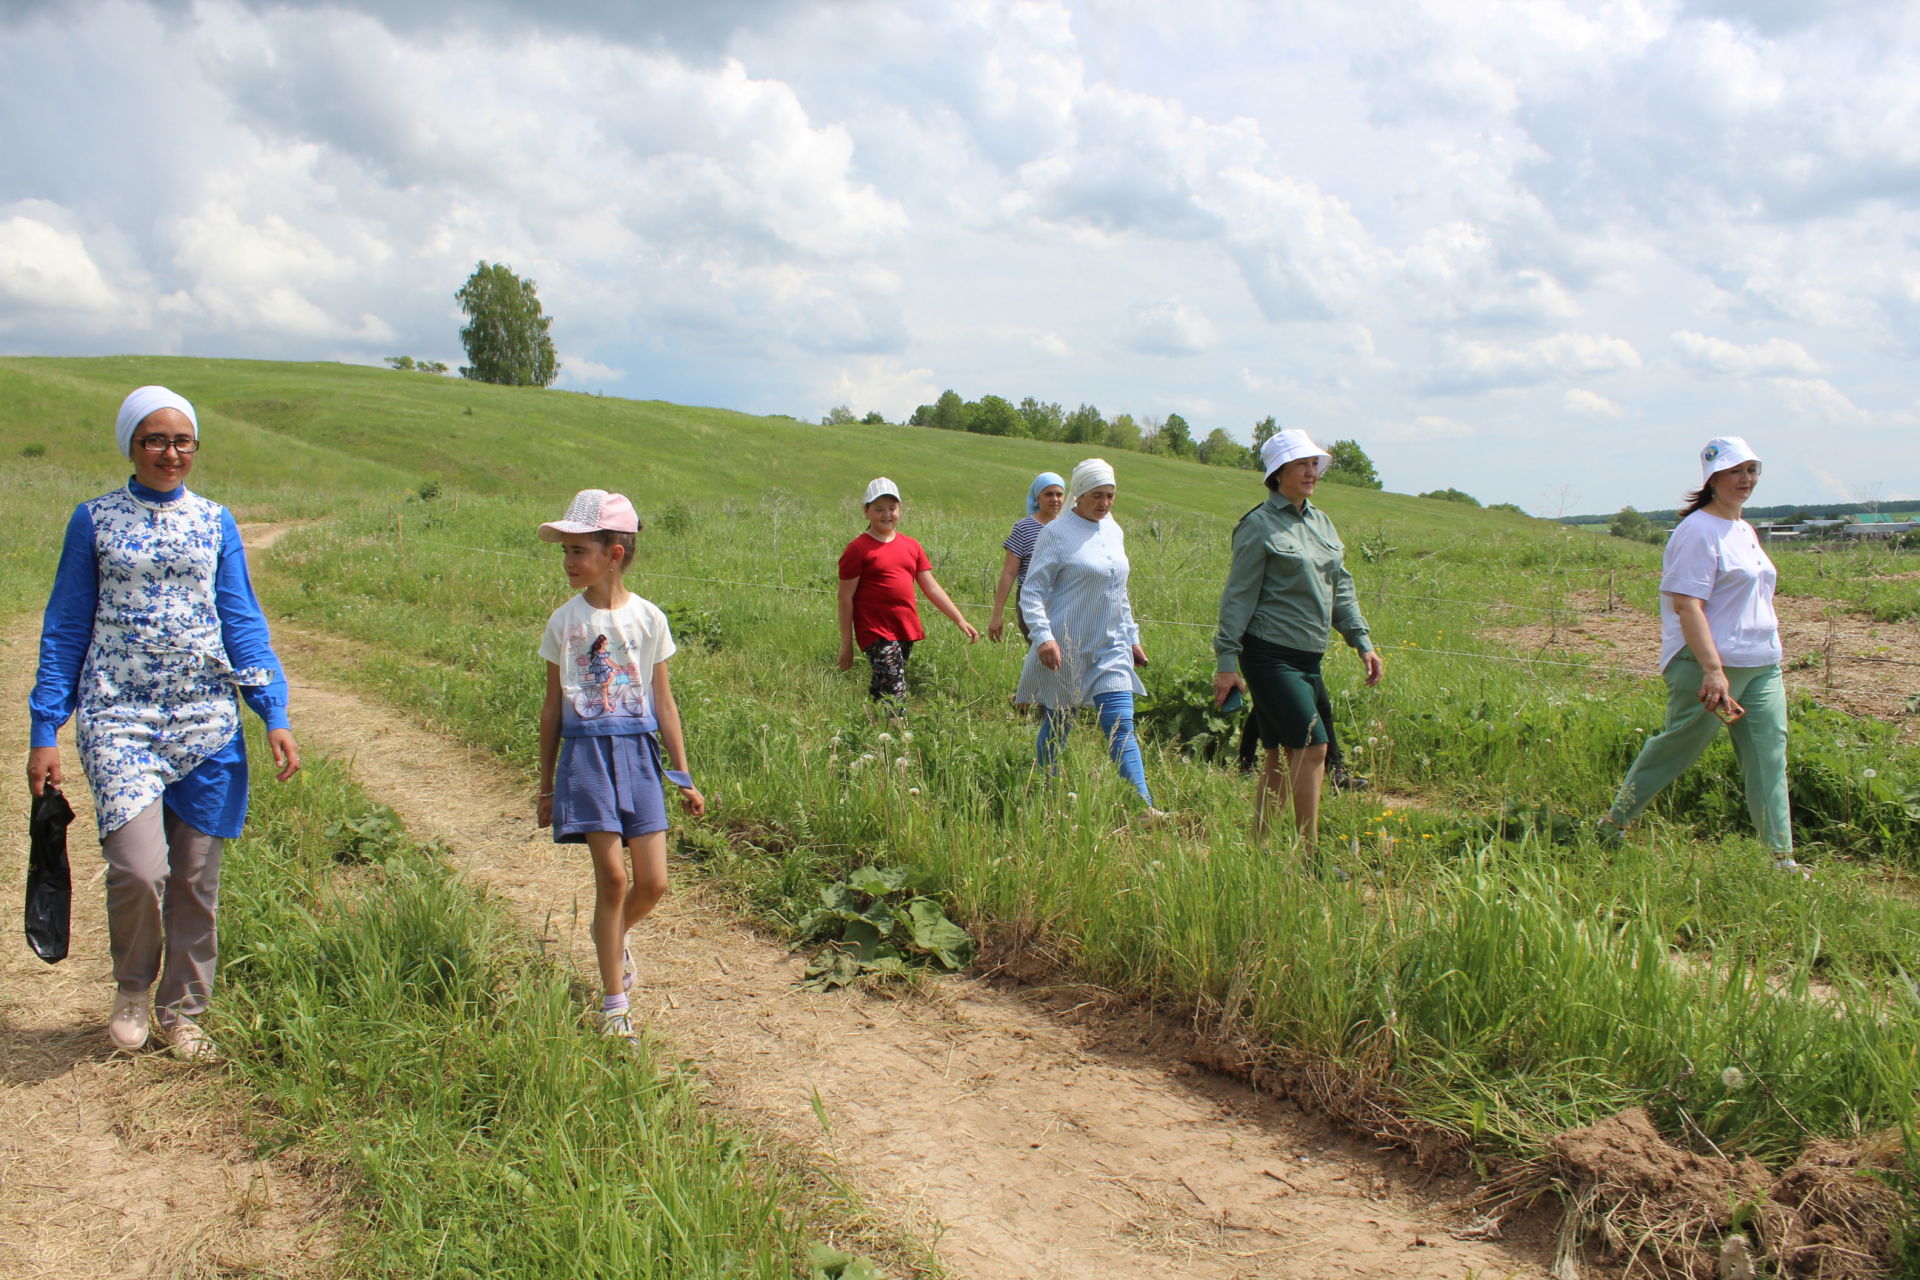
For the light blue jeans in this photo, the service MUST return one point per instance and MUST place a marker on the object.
(1116, 722)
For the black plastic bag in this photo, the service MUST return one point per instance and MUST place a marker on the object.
(49, 879)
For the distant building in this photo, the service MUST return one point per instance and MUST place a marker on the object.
(1884, 528)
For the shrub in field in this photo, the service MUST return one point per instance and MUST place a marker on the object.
(1179, 713)
(880, 924)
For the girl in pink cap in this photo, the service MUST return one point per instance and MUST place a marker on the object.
(608, 713)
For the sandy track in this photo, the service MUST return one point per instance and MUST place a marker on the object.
(1036, 1143)
(113, 1165)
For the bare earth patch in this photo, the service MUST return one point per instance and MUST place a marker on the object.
(110, 1165)
(1667, 1211)
(1874, 669)
(1036, 1139)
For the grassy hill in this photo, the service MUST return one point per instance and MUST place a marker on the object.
(275, 427)
(1490, 979)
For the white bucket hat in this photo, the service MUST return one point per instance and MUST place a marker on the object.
(881, 487)
(1283, 447)
(1723, 452)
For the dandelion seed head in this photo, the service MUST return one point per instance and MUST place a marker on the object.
(1733, 1077)
(913, 791)
(1869, 773)
(885, 737)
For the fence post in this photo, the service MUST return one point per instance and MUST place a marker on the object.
(1609, 591)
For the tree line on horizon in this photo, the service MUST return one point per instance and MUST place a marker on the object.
(1170, 437)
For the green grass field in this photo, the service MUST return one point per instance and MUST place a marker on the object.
(1488, 974)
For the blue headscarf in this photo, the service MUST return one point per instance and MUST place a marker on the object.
(1040, 482)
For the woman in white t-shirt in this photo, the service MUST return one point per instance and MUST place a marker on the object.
(1720, 654)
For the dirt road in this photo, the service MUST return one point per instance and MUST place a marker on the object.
(1038, 1144)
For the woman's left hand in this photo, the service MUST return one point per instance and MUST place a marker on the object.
(286, 752)
(1374, 667)
(1139, 656)
(695, 802)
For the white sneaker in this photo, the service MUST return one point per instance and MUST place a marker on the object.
(128, 1025)
(618, 1024)
(1793, 868)
(190, 1043)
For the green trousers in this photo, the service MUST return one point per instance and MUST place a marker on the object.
(1759, 742)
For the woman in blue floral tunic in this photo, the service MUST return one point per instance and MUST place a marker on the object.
(150, 632)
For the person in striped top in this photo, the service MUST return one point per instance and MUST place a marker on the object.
(1046, 497)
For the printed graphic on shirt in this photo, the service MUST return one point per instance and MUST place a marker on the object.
(606, 659)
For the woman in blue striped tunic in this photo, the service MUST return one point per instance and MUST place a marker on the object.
(1046, 496)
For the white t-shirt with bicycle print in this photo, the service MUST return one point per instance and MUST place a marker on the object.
(606, 659)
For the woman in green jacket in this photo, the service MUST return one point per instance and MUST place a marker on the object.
(1287, 590)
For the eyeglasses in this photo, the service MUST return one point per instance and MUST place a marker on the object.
(160, 444)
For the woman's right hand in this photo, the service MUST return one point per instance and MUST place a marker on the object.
(1224, 683)
(43, 766)
(845, 661)
(1715, 691)
(1049, 655)
(543, 810)
(996, 627)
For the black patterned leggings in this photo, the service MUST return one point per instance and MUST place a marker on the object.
(889, 659)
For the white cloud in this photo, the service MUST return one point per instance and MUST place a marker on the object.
(580, 371)
(1483, 366)
(881, 383)
(1717, 355)
(46, 267)
(1170, 328)
(1052, 344)
(1464, 274)
(1590, 404)
(1427, 428)
(1817, 400)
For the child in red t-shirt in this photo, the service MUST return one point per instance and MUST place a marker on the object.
(878, 571)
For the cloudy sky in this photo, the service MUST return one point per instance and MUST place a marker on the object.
(1538, 250)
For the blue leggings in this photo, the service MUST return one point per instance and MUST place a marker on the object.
(1116, 721)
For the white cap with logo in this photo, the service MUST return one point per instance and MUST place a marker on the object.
(880, 487)
(1722, 452)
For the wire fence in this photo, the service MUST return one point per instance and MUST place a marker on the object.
(1585, 665)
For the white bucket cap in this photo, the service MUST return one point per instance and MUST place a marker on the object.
(880, 487)
(1723, 452)
(1283, 447)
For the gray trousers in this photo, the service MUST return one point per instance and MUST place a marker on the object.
(163, 886)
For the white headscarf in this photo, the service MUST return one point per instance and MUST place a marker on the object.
(1090, 474)
(143, 401)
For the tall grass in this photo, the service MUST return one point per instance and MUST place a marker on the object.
(1489, 976)
(396, 1026)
